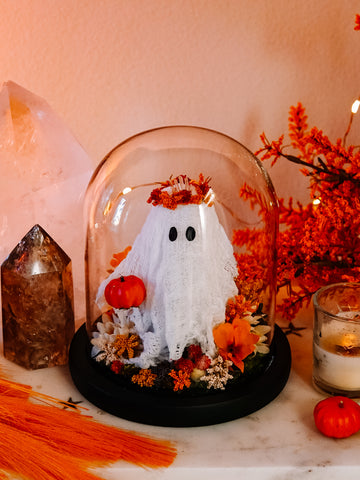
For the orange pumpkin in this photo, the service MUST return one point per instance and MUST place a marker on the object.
(125, 292)
(337, 417)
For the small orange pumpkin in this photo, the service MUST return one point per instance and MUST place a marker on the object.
(337, 417)
(125, 292)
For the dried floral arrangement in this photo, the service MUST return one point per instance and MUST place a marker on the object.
(210, 359)
(241, 342)
(318, 243)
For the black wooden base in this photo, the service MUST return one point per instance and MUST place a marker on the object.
(169, 409)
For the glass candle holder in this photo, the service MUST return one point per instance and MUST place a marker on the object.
(336, 339)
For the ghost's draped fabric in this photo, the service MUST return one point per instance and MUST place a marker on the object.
(187, 264)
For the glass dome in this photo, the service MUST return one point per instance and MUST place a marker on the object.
(180, 260)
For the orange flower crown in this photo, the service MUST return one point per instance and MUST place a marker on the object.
(181, 190)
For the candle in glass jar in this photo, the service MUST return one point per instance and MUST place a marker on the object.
(337, 353)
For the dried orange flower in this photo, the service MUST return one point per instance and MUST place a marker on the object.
(236, 307)
(180, 190)
(181, 379)
(125, 345)
(145, 378)
(235, 341)
(119, 257)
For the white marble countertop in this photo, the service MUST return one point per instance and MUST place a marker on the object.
(278, 442)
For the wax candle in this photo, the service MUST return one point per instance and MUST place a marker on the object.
(337, 354)
(336, 339)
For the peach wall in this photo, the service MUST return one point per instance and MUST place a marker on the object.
(112, 68)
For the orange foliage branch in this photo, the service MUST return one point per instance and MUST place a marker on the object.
(318, 243)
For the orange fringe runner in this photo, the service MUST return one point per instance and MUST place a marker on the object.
(42, 442)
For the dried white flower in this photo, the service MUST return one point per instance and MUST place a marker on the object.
(125, 319)
(217, 375)
(120, 322)
(261, 330)
(103, 349)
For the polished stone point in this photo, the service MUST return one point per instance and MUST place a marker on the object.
(37, 302)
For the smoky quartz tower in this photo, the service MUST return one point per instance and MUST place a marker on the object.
(37, 302)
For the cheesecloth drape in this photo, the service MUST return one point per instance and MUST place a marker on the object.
(188, 267)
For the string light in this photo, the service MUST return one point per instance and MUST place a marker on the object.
(354, 109)
(355, 106)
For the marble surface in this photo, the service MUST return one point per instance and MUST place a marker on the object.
(280, 441)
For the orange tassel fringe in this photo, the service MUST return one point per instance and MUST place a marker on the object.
(42, 442)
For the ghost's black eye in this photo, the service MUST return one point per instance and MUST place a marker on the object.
(190, 233)
(172, 234)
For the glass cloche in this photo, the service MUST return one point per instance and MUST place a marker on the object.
(180, 263)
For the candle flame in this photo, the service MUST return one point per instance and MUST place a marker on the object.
(349, 340)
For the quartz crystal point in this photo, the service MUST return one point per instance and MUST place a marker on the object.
(44, 173)
(37, 302)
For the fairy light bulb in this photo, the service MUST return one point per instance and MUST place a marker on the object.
(355, 106)
(354, 109)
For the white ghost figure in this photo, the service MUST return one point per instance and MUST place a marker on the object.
(188, 267)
